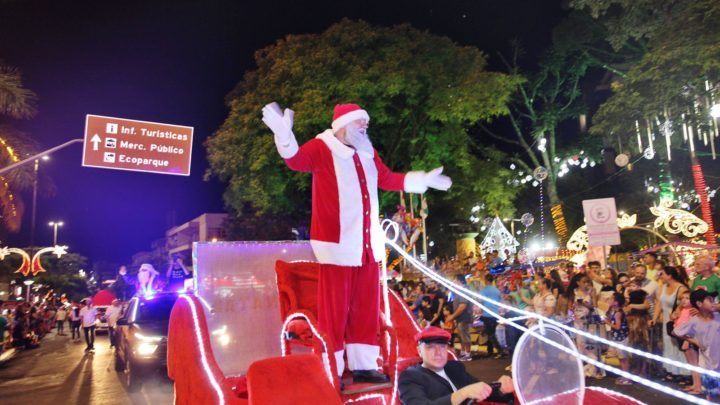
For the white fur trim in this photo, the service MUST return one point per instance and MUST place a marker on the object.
(289, 148)
(415, 182)
(343, 120)
(339, 361)
(348, 251)
(362, 356)
(336, 147)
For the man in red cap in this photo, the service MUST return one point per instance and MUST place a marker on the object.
(437, 381)
(345, 232)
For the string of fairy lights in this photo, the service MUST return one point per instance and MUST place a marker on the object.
(4, 181)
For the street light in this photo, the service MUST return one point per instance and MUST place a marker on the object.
(55, 225)
(34, 199)
(28, 283)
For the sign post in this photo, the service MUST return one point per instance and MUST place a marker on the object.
(141, 146)
(602, 228)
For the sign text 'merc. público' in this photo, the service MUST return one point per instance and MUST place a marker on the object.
(118, 143)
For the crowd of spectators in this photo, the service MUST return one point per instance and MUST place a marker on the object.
(23, 325)
(653, 306)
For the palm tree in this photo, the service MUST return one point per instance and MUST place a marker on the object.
(15, 102)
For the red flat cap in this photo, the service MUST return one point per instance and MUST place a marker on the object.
(432, 334)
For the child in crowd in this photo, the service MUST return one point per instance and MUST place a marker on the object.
(637, 318)
(426, 311)
(448, 326)
(422, 321)
(681, 315)
(619, 332)
(703, 331)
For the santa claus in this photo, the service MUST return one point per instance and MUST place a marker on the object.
(345, 232)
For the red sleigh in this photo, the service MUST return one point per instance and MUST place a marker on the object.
(298, 374)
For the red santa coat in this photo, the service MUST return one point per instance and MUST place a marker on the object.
(345, 210)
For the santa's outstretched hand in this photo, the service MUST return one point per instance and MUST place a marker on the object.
(279, 123)
(435, 179)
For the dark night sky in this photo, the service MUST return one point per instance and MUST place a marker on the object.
(174, 62)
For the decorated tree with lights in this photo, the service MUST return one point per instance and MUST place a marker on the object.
(422, 93)
(667, 101)
(498, 238)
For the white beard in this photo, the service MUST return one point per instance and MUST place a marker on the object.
(358, 139)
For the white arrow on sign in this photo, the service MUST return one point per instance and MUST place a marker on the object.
(95, 141)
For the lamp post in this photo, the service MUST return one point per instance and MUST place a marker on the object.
(34, 200)
(55, 225)
(28, 283)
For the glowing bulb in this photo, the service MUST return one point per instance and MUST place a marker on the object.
(715, 111)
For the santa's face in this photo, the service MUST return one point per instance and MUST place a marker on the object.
(355, 133)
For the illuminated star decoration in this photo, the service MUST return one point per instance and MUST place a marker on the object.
(26, 268)
(498, 238)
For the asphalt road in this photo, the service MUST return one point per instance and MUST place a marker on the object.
(59, 372)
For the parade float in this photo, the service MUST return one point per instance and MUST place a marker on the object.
(248, 334)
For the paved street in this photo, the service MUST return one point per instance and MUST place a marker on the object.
(59, 372)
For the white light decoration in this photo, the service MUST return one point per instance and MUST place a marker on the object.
(677, 221)
(541, 144)
(498, 238)
(283, 343)
(579, 239)
(649, 153)
(715, 111)
(203, 356)
(33, 266)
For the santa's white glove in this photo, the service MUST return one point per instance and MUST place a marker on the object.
(279, 123)
(418, 182)
(435, 179)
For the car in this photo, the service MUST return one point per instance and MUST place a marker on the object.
(141, 338)
(101, 323)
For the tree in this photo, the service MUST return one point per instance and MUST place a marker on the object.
(666, 98)
(678, 72)
(62, 274)
(422, 92)
(550, 97)
(15, 102)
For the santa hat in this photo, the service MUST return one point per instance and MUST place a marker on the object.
(146, 267)
(347, 113)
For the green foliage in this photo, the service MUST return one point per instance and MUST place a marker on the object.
(15, 100)
(629, 20)
(683, 54)
(61, 275)
(420, 90)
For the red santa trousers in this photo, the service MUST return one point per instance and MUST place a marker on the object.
(349, 310)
